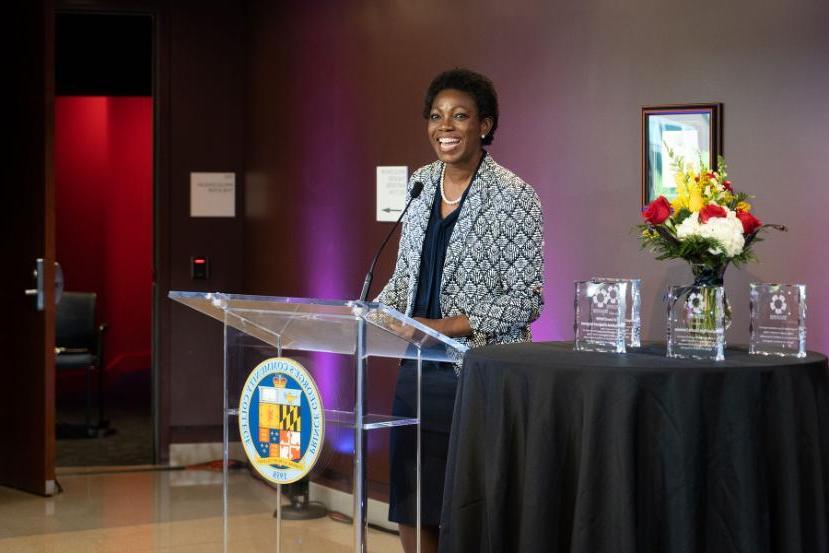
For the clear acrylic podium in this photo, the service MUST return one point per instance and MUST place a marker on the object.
(334, 340)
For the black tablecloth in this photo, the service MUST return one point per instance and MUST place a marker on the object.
(557, 451)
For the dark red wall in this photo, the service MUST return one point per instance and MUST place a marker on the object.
(104, 183)
(205, 59)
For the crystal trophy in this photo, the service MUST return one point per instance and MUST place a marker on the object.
(696, 322)
(778, 319)
(633, 326)
(600, 315)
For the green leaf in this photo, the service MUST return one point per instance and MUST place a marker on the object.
(681, 215)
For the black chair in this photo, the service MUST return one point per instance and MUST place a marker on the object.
(79, 345)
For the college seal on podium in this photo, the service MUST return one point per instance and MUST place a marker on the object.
(281, 420)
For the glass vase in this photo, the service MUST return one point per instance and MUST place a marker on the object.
(713, 275)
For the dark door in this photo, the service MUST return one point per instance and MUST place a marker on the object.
(27, 371)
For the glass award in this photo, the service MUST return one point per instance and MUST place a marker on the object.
(778, 319)
(696, 322)
(633, 326)
(600, 315)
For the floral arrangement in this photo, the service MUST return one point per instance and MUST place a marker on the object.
(708, 224)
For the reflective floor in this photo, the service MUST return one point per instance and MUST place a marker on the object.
(163, 511)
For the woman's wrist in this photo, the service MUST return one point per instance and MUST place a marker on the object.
(457, 326)
(454, 327)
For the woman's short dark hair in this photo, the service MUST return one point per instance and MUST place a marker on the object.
(476, 85)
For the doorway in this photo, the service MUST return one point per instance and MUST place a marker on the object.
(104, 134)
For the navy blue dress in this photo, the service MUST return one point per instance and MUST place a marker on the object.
(438, 383)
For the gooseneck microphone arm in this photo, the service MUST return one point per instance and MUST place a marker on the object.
(417, 187)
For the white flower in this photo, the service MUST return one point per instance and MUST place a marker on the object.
(727, 230)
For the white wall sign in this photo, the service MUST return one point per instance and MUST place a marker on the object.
(391, 191)
(212, 194)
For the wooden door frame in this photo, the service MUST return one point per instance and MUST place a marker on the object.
(160, 356)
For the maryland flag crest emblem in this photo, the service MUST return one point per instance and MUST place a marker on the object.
(281, 420)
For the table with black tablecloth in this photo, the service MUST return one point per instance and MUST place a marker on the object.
(560, 451)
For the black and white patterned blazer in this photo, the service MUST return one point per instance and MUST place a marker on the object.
(494, 267)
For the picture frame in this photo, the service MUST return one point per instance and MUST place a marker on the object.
(692, 130)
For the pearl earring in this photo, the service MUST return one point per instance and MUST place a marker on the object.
(483, 136)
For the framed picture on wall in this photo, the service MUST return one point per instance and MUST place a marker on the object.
(693, 131)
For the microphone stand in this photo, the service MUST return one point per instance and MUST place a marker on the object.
(416, 189)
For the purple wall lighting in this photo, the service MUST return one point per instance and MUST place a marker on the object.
(337, 393)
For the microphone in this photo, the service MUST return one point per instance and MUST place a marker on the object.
(417, 188)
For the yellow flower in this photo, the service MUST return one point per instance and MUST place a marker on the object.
(679, 202)
(695, 199)
(744, 206)
(681, 199)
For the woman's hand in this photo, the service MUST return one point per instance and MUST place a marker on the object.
(453, 327)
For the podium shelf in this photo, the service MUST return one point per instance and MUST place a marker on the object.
(370, 422)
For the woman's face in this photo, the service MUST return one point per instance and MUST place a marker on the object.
(455, 129)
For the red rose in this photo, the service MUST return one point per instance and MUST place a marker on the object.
(657, 211)
(709, 211)
(727, 185)
(749, 221)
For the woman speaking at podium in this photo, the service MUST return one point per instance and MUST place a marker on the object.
(469, 266)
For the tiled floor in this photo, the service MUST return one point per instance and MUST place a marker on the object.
(163, 511)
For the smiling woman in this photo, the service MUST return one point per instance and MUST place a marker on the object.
(469, 266)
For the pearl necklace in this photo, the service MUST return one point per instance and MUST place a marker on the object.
(443, 194)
